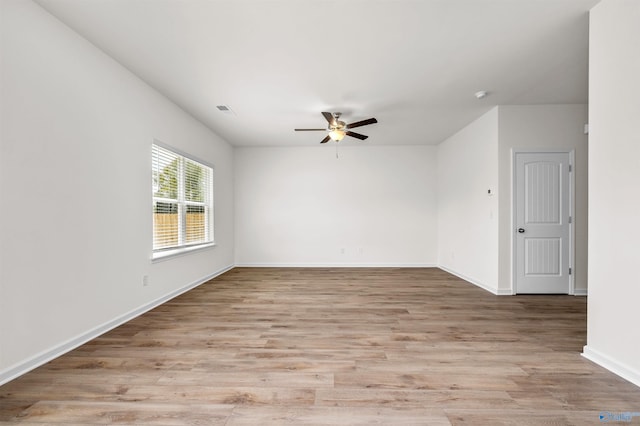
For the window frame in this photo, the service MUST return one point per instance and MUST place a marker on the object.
(183, 247)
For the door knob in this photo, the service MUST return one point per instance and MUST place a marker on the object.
(521, 230)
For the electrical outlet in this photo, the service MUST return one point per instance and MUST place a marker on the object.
(342, 250)
(145, 280)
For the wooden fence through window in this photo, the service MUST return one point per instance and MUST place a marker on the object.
(165, 229)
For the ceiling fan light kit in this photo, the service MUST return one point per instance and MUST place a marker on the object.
(339, 129)
(337, 135)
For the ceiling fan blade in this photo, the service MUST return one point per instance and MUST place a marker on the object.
(327, 139)
(361, 123)
(329, 117)
(357, 135)
(310, 130)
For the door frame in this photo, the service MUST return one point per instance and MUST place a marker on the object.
(572, 187)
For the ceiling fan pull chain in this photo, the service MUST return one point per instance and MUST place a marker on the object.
(337, 151)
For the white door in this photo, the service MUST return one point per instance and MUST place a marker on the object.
(542, 223)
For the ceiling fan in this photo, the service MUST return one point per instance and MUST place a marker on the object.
(339, 129)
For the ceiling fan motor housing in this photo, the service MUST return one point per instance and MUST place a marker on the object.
(339, 125)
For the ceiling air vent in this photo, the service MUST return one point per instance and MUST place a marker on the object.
(225, 109)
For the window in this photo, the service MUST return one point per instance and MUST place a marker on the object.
(182, 202)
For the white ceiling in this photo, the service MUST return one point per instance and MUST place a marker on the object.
(413, 64)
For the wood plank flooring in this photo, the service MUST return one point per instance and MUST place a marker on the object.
(260, 346)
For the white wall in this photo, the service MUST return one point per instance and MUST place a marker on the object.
(474, 230)
(302, 206)
(467, 214)
(543, 127)
(613, 335)
(75, 223)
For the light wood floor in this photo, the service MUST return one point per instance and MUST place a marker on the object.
(331, 346)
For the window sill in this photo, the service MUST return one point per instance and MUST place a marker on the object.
(170, 254)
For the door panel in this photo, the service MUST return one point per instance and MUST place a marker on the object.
(543, 256)
(542, 197)
(542, 223)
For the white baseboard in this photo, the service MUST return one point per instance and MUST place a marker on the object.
(58, 350)
(335, 265)
(580, 292)
(493, 290)
(612, 365)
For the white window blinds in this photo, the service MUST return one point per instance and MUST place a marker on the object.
(182, 200)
